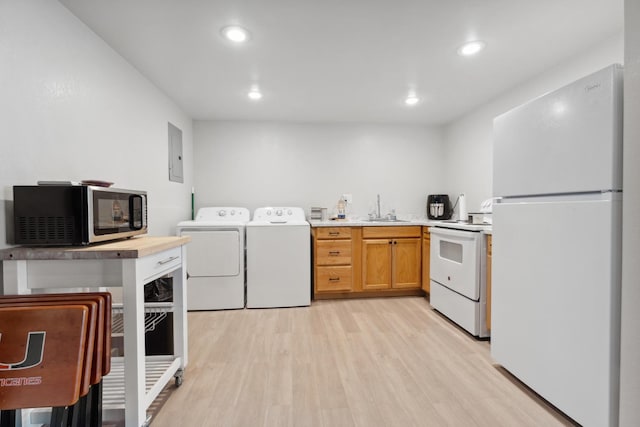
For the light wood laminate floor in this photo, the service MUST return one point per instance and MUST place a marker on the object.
(364, 362)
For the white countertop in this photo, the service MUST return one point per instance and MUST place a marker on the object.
(485, 228)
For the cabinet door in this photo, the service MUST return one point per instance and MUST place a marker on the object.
(406, 263)
(376, 264)
(426, 259)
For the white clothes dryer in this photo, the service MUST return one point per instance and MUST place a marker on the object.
(278, 258)
(216, 258)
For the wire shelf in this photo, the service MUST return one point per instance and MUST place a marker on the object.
(154, 313)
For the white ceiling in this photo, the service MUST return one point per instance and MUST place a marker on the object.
(345, 60)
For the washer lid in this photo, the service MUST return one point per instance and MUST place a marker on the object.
(276, 222)
(207, 225)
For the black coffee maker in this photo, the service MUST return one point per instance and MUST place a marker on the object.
(439, 206)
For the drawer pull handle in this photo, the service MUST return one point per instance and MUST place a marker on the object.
(334, 279)
(334, 233)
(334, 253)
(164, 261)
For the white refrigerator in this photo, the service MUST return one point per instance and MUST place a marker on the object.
(557, 246)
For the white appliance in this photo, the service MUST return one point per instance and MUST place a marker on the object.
(458, 276)
(216, 267)
(557, 245)
(278, 258)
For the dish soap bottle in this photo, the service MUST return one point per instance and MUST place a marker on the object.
(342, 209)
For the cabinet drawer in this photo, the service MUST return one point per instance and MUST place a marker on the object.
(333, 232)
(333, 252)
(391, 232)
(160, 263)
(334, 278)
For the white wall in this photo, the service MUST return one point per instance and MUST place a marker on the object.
(257, 164)
(469, 140)
(630, 338)
(250, 163)
(73, 109)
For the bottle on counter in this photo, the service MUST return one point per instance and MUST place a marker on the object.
(462, 208)
(342, 209)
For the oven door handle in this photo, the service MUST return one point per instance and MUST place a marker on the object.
(453, 233)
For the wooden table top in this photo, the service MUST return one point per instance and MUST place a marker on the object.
(136, 247)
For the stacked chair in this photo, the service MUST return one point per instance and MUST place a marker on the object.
(54, 351)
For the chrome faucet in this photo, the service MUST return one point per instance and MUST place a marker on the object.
(378, 211)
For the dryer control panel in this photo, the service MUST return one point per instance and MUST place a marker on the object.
(223, 214)
(283, 214)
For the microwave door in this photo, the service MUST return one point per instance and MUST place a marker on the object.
(136, 212)
(118, 214)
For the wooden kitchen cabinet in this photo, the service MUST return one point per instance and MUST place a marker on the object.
(489, 255)
(342, 259)
(333, 259)
(426, 259)
(391, 258)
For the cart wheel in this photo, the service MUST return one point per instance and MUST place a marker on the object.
(179, 378)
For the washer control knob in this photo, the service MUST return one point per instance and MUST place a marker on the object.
(279, 212)
(289, 212)
(222, 212)
(233, 212)
(269, 212)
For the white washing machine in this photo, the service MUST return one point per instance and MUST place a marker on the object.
(216, 260)
(278, 258)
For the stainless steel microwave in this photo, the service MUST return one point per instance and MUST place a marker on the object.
(76, 214)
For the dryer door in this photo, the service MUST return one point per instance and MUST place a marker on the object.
(213, 253)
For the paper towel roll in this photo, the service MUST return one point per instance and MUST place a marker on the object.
(462, 208)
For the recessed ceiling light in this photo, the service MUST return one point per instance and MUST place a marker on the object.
(235, 34)
(255, 94)
(471, 48)
(411, 100)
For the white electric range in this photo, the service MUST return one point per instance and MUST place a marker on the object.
(458, 274)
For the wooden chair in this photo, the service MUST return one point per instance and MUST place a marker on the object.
(87, 411)
(103, 335)
(42, 352)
